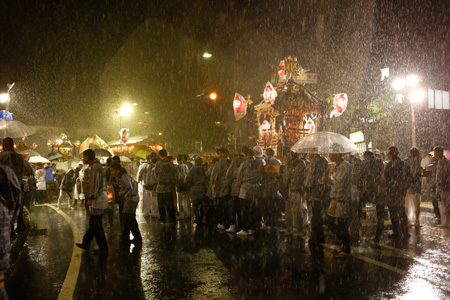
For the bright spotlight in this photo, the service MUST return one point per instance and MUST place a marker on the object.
(412, 80)
(399, 84)
(125, 110)
(207, 55)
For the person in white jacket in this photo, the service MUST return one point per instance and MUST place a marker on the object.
(97, 200)
(128, 189)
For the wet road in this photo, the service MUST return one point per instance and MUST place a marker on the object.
(180, 261)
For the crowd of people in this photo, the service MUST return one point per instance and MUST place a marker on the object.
(239, 193)
(252, 190)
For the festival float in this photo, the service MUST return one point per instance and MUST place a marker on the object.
(289, 109)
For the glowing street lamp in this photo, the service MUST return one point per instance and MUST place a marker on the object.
(207, 55)
(124, 111)
(415, 96)
(399, 84)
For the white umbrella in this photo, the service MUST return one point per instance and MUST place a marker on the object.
(324, 142)
(124, 158)
(73, 163)
(54, 155)
(14, 129)
(29, 152)
(38, 159)
(62, 166)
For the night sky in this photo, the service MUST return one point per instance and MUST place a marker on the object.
(57, 51)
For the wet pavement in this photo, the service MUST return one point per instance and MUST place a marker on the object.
(180, 261)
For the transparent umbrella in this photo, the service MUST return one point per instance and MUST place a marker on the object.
(38, 159)
(14, 129)
(324, 142)
(29, 152)
(54, 155)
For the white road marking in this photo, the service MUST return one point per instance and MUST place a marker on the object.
(70, 281)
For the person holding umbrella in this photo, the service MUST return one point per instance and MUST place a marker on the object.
(340, 208)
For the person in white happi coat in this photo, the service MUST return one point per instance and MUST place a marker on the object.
(145, 178)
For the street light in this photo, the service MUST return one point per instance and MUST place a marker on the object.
(415, 96)
(124, 111)
(207, 55)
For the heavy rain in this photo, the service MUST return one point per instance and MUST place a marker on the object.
(225, 149)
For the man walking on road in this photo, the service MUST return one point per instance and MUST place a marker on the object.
(129, 191)
(166, 176)
(97, 200)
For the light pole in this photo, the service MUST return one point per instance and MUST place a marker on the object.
(415, 96)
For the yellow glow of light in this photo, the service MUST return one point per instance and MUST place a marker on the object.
(125, 110)
(213, 96)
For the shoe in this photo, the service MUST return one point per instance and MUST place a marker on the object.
(232, 228)
(242, 233)
(221, 227)
(417, 225)
(251, 232)
(79, 245)
(376, 239)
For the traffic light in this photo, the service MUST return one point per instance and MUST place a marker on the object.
(212, 96)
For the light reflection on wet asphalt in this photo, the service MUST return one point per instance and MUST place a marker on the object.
(183, 262)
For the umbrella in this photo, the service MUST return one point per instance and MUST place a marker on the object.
(124, 159)
(14, 129)
(62, 166)
(54, 155)
(142, 151)
(446, 154)
(324, 142)
(95, 142)
(38, 159)
(29, 153)
(73, 163)
(102, 153)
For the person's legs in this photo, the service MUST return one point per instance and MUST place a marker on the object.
(171, 208)
(317, 222)
(380, 221)
(134, 228)
(99, 233)
(125, 237)
(394, 213)
(288, 214)
(246, 211)
(89, 235)
(417, 199)
(435, 201)
(403, 219)
(343, 234)
(69, 199)
(162, 207)
(61, 195)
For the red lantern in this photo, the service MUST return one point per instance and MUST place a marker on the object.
(269, 93)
